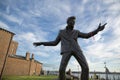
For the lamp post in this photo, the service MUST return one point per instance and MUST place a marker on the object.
(78, 72)
(106, 72)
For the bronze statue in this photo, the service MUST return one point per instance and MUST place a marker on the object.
(70, 47)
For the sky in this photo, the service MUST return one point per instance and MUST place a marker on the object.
(41, 20)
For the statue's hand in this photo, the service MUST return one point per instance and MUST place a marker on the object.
(101, 27)
(37, 44)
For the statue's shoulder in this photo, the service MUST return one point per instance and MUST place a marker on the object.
(75, 30)
(62, 30)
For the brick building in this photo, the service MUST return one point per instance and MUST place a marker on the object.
(16, 64)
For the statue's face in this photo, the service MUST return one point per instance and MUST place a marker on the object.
(71, 22)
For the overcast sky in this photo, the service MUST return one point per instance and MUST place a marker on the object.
(40, 20)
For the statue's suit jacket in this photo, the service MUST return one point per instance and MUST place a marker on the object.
(68, 39)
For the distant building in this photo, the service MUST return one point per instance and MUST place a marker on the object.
(16, 64)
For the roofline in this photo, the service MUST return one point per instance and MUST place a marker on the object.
(23, 58)
(7, 31)
(38, 61)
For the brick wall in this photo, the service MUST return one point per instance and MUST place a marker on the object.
(4, 41)
(19, 66)
(38, 69)
(13, 47)
(2, 57)
(16, 65)
(5, 37)
(35, 67)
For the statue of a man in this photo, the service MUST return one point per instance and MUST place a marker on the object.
(70, 47)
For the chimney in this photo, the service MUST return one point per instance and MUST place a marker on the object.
(32, 56)
(27, 56)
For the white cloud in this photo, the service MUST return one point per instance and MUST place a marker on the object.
(101, 50)
(37, 35)
(42, 54)
(3, 25)
(110, 1)
(59, 27)
(115, 7)
(116, 26)
(8, 9)
(85, 1)
(12, 18)
(105, 46)
(106, 51)
(97, 49)
(98, 65)
(26, 40)
(27, 36)
(36, 13)
(56, 8)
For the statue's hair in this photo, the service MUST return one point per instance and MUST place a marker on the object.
(69, 18)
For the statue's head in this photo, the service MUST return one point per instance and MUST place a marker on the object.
(71, 22)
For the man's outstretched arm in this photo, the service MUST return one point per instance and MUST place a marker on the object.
(90, 34)
(51, 43)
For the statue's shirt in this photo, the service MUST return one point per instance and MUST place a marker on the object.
(68, 39)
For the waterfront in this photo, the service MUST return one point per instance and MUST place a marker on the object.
(111, 76)
(101, 75)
